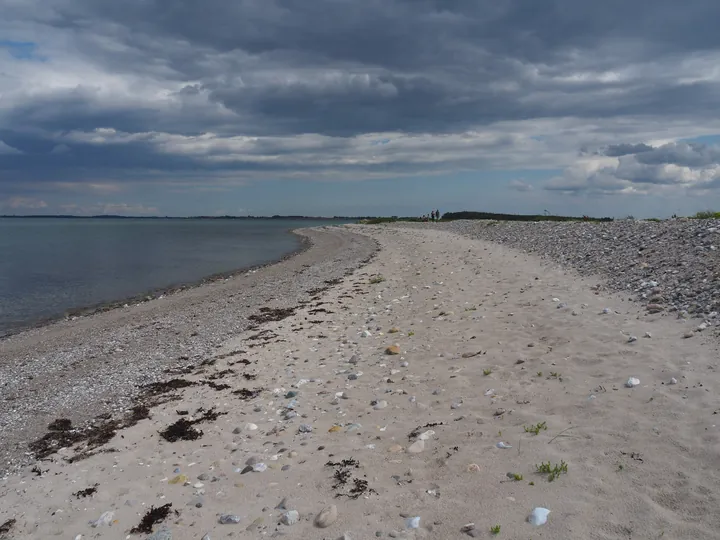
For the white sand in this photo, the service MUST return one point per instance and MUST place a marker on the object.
(642, 462)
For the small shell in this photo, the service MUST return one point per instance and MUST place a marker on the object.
(632, 382)
(503, 445)
(250, 426)
(291, 517)
(425, 436)
(473, 467)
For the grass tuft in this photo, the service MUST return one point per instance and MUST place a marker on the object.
(553, 471)
(536, 429)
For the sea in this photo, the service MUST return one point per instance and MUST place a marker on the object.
(50, 266)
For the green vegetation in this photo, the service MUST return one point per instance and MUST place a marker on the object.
(411, 333)
(707, 214)
(450, 216)
(376, 279)
(553, 471)
(539, 373)
(495, 529)
(536, 429)
(517, 477)
(487, 372)
(554, 375)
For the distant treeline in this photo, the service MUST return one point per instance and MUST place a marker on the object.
(450, 216)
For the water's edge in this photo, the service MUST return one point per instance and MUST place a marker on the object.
(147, 296)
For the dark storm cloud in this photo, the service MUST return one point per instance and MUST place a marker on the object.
(617, 150)
(344, 68)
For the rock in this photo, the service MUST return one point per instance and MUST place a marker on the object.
(395, 448)
(250, 426)
(354, 359)
(204, 477)
(539, 516)
(237, 430)
(631, 339)
(688, 334)
(106, 518)
(305, 428)
(291, 517)
(654, 308)
(229, 519)
(673, 380)
(161, 534)
(648, 335)
(392, 350)
(417, 447)
(380, 405)
(252, 460)
(327, 516)
(335, 429)
(632, 382)
(393, 330)
(473, 467)
(283, 504)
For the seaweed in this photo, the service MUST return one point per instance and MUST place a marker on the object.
(184, 430)
(164, 387)
(246, 394)
(415, 432)
(343, 475)
(216, 386)
(152, 517)
(6, 527)
(60, 424)
(87, 492)
(272, 314)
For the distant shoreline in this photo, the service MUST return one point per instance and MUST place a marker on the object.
(306, 218)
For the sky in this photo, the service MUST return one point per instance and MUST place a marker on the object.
(348, 107)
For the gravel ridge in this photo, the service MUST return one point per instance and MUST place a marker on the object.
(672, 266)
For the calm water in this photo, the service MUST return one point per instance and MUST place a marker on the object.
(48, 266)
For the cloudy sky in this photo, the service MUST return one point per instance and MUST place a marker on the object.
(359, 107)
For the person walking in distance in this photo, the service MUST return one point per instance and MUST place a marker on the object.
(437, 215)
(432, 215)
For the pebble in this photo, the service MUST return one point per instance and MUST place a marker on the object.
(380, 405)
(395, 448)
(204, 477)
(473, 467)
(688, 334)
(417, 447)
(161, 534)
(290, 517)
(305, 428)
(412, 522)
(503, 445)
(632, 382)
(539, 516)
(327, 516)
(673, 380)
(229, 519)
(179, 479)
(392, 350)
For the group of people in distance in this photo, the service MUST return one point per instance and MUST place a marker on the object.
(434, 216)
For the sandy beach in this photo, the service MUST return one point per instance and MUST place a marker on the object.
(425, 392)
